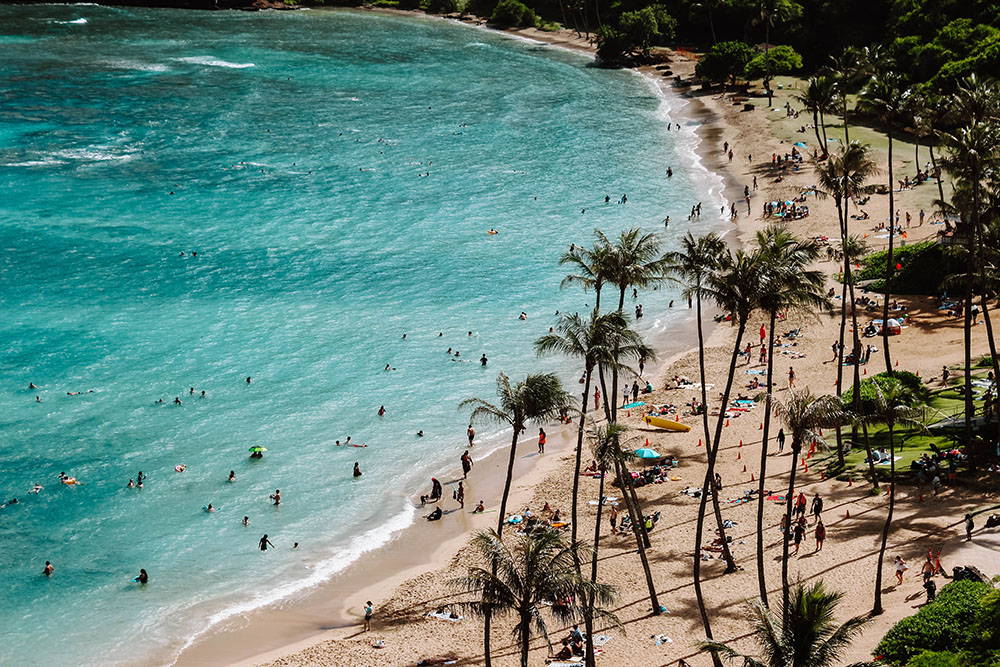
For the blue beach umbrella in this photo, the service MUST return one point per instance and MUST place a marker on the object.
(645, 453)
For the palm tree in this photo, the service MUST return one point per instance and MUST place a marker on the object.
(803, 635)
(608, 452)
(845, 68)
(843, 177)
(539, 569)
(634, 261)
(886, 97)
(596, 340)
(788, 284)
(885, 400)
(591, 267)
(769, 13)
(817, 98)
(803, 415)
(540, 397)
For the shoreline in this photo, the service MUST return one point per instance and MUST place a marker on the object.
(309, 618)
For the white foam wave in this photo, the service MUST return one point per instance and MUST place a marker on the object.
(211, 61)
(93, 154)
(136, 65)
(369, 541)
(79, 21)
(33, 163)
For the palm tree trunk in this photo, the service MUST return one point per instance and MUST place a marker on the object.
(579, 456)
(840, 367)
(588, 620)
(822, 122)
(711, 26)
(614, 370)
(525, 637)
(847, 133)
(987, 320)
(819, 140)
(877, 607)
(700, 598)
(969, 405)
(937, 173)
(761, 582)
(868, 453)
(604, 388)
(890, 268)
(712, 449)
(796, 448)
(507, 482)
(623, 480)
(767, 61)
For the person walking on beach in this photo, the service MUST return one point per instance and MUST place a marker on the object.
(800, 505)
(798, 532)
(460, 495)
(791, 377)
(613, 518)
(817, 506)
(541, 441)
(781, 440)
(820, 534)
(264, 543)
(369, 612)
(901, 567)
(763, 333)
(466, 464)
(969, 525)
(471, 432)
(597, 398)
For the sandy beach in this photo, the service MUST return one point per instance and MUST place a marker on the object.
(409, 578)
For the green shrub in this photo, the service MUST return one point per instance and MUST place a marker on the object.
(725, 60)
(910, 382)
(513, 14)
(923, 266)
(946, 624)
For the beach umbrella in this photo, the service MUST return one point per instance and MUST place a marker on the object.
(646, 453)
(257, 448)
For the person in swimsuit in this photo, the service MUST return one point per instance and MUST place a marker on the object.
(265, 543)
(471, 432)
(466, 464)
(276, 497)
(357, 470)
(143, 577)
(49, 569)
(232, 476)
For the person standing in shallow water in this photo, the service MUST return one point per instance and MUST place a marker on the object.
(466, 464)
(357, 469)
(264, 543)
(541, 441)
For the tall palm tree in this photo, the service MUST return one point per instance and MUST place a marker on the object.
(608, 452)
(595, 340)
(886, 97)
(770, 13)
(804, 634)
(973, 151)
(844, 69)
(818, 97)
(843, 176)
(789, 284)
(539, 397)
(635, 260)
(885, 400)
(804, 416)
(521, 580)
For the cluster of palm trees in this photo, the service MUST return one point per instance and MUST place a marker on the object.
(966, 124)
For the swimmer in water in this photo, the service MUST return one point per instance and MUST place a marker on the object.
(143, 578)
(381, 410)
(249, 379)
(49, 569)
(357, 470)
(36, 488)
(232, 476)
(31, 385)
(210, 508)
(177, 400)
(483, 360)
(276, 497)
(523, 316)
(264, 543)
(420, 434)
(492, 232)
(131, 485)
(404, 336)
(38, 399)
(389, 368)
(295, 546)
(246, 521)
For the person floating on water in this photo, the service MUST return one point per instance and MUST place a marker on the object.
(492, 232)
(357, 469)
(210, 508)
(420, 434)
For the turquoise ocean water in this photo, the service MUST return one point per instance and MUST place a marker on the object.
(336, 173)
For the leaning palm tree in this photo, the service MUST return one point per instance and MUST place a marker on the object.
(789, 284)
(804, 634)
(886, 97)
(607, 446)
(539, 397)
(818, 97)
(522, 580)
(599, 339)
(804, 416)
(885, 400)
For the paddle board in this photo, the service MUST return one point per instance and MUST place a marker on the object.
(667, 424)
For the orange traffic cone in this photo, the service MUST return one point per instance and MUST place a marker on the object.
(847, 514)
(628, 413)
(752, 479)
(647, 442)
(805, 468)
(739, 455)
(850, 481)
(864, 372)
(761, 427)
(699, 442)
(741, 443)
(744, 468)
(727, 422)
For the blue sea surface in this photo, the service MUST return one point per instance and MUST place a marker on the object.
(336, 173)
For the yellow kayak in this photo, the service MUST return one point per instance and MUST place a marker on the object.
(667, 424)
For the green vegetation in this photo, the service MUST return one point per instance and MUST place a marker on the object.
(725, 61)
(779, 61)
(922, 268)
(960, 627)
(513, 14)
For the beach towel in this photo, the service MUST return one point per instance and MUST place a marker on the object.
(775, 497)
(566, 664)
(639, 404)
(444, 616)
(886, 462)
(659, 640)
(755, 371)
(601, 640)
